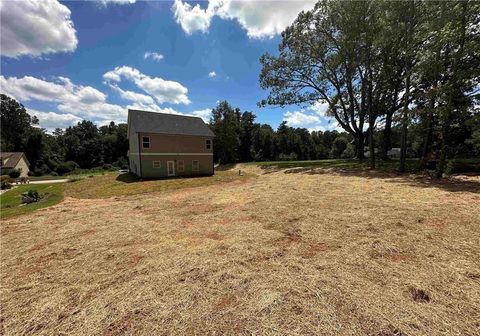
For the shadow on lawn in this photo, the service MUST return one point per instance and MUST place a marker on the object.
(453, 184)
(128, 178)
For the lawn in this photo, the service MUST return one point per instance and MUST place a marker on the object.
(458, 165)
(113, 184)
(11, 205)
(328, 253)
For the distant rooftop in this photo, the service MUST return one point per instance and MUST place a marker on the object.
(165, 123)
(10, 159)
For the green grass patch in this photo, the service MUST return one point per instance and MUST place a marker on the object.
(459, 165)
(337, 164)
(11, 201)
(113, 184)
(80, 174)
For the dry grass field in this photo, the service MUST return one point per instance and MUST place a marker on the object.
(286, 253)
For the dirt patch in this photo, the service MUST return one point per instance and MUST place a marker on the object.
(135, 260)
(311, 250)
(123, 325)
(214, 236)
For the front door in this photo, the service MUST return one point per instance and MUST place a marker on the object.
(171, 168)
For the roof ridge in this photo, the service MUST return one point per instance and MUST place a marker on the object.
(163, 113)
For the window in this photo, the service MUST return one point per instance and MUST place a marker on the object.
(195, 165)
(157, 164)
(146, 142)
(180, 166)
(208, 144)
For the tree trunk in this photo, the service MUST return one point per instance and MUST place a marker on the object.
(371, 145)
(360, 146)
(387, 137)
(428, 137)
(403, 141)
(443, 150)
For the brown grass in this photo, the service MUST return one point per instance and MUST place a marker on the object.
(282, 254)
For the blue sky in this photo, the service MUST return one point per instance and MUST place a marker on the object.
(67, 61)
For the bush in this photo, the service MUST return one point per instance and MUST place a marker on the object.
(5, 185)
(66, 167)
(338, 147)
(15, 173)
(54, 173)
(107, 166)
(121, 163)
(30, 196)
(349, 152)
(4, 178)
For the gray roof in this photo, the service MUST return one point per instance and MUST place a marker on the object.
(164, 123)
(10, 159)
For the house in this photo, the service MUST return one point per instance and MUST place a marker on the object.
(166, 145)
(14, 160)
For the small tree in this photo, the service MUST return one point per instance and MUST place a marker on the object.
(15, 173)
(339, 146)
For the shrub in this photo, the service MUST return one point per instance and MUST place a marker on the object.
(66, 167)
(15, 173)
(349, 152)
(4, 178)
(30, 196)
(338, 147)
(5, 185)
(449, 169)
(107, 166)
(121, 163)
(37, 172)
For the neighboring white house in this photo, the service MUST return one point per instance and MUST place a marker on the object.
(14, 160)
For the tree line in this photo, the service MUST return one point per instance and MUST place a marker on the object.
(385, 64)
(83, 146)
(239, 139)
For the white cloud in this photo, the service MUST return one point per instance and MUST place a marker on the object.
(313, 118)
(205, 114)
(163, 91)
(153, 55)
(84, 101)
(319, 108)
(212, 74)
(194, 18)
(35, 28)
(133, 96)
(259, 18)
(117, 2)
(300, 119)
(52, 120)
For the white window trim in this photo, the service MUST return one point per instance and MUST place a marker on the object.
(208, 142)
(149, 142)
(180, 167)
(157, 166)
(198, 165)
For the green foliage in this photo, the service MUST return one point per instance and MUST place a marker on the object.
(32, 194)
(14, 173)
(349, 152)
(5, 185)
(339, 146)
(11, 200)
(84, 143)
(66, 167)
(370, 60)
